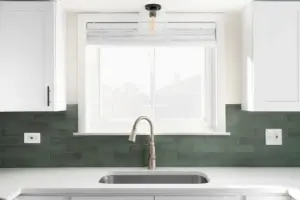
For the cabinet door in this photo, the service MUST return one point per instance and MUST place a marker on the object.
(26, 40)
(197, 198)
(115, 198)
(276, 58)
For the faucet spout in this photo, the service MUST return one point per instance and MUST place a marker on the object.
(132, 137)
(133, 131)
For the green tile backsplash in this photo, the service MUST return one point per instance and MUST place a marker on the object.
(59, 148)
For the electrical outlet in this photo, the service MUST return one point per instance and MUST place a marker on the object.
(32, 138)
(273, 136)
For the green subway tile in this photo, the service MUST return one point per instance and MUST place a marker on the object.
(11, 140)
(165, 140)
(244, 148)
(166, 158)
(186, 159)
(209, 148)
(59, 148)
(167, 147)
(27, 162)
(63, 157)
(74, 148)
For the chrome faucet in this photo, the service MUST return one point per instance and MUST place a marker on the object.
(152, 156)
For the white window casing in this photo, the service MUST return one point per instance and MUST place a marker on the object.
(187, 29)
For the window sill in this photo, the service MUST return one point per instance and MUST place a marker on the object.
(127, 134)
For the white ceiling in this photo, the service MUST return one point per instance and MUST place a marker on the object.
(168, 5)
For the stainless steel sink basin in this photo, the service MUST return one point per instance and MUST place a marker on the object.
(155, 178)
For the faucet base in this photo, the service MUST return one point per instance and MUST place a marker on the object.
(152, 164)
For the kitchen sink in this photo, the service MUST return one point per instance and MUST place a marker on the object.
(155, 178)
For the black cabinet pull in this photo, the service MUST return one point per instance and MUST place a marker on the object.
(48, 96)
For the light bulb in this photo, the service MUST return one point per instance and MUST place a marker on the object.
(152, 24)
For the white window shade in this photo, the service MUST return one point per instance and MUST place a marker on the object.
(133, 33)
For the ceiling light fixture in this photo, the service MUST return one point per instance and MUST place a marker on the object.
(153, 8)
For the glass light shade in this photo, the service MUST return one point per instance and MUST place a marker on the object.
(152, 25)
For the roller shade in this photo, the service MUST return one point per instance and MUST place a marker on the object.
(138, 33)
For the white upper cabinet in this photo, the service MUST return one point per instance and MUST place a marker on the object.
(32, 66)
(271, 70)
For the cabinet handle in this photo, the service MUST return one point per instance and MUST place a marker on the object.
(48, 96)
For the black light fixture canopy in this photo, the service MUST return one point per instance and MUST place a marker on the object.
(153, 8)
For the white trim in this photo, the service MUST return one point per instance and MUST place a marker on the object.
(218, 92)
(220, 77)
(81, 42)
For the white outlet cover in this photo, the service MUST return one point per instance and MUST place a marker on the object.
(32, 138)
(273, 136)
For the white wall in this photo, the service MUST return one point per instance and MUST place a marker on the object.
(71, 48)
(233, 65)
(233, 58)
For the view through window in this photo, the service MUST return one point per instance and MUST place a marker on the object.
(161, 82)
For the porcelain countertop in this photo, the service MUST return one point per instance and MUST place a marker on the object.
(16, 181)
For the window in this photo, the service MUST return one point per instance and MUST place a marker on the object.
(175, 85)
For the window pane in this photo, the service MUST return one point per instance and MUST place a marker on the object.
(124, 82)
(179, 82)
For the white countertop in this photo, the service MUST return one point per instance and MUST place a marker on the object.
(15, 181)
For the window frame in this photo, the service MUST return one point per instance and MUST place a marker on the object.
(217, 93)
